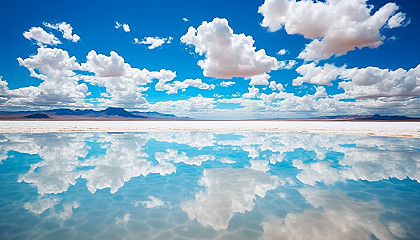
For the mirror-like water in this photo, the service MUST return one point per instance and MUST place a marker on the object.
(202, 185)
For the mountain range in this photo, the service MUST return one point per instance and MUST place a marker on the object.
(110, 113)
(113, 113)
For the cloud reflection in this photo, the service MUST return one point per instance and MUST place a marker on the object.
(333, 216)
(67, 157)
(228, 191)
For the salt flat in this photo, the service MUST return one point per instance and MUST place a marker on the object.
(398, 129)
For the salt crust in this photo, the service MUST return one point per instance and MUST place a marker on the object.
(394, 129)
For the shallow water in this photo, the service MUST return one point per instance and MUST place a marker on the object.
(203, 185)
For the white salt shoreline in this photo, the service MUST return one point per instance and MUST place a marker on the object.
(395, 129)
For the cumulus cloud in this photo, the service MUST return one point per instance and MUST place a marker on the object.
(154, 42)
(60, 84)
(228, 191)
(185, 19)
(65, 28)
(192, 105)
(282, 52)
(259, 79)
(227, 83)
(369, 82)
(397, 21)
(227, 54)
(172, 88)
(124, 26)
(258, 104)
(322, 75)
(289, 64)
(123, 82)
(41, 37)
(253, 92)
(335, 26)
(373, 82)
(276, 86)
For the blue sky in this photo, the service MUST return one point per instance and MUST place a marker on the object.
(213, 59)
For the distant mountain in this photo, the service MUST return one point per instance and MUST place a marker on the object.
(37, 115)
(110, 113)
(372, 117)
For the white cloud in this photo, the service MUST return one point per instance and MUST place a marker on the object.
(117, 25)
(123, 82)
(124, 26)
(276, 86)
(227, 54)
(282, 52)
(224, 197)
(154, 42)
(256, 104)
(369, 82)
(172, 88)
(227, 83)
(185, 19)
(287, 64)
(259, 79)
(397, 21)
(41, 37)
(253, 92)
(311, 73)
(66, 29)
(320, 92)
(373, 82)
(60, 86)
(199, 105)
(335, 26)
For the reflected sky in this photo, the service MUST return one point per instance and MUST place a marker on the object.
(203, 185)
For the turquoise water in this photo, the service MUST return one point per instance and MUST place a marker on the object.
(203, 185)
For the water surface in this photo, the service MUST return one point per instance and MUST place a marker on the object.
(203, 185)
